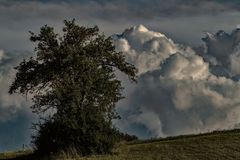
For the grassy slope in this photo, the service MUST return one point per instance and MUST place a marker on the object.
(13, 155)
(215, 146)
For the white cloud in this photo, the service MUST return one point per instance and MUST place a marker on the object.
(176, 88)
(143, 47)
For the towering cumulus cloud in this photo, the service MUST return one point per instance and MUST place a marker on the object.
(177, 92)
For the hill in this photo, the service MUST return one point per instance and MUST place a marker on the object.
(219, 145)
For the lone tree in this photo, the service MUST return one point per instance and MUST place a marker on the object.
(72, 79)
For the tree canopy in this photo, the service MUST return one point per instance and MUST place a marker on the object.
(73, 75)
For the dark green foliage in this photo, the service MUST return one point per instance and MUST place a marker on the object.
(74, 77)
(55, 136)
(127, 137)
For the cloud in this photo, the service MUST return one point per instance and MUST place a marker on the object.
(141, 44)
(149, 8)
(176, 92)
(18, 17)
(222, 52)
(15, 114)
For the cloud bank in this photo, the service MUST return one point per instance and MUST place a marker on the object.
(143, 8)
(15, 115)
(190, 17)
(178, 92)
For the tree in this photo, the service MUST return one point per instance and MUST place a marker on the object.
(73, 79)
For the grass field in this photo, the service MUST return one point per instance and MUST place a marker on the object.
(224, 145)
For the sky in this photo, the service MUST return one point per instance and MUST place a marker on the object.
(186, 84)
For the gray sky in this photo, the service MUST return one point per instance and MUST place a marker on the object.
(184, 21)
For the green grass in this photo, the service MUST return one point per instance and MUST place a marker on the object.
(13, 155)
(224, 145)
